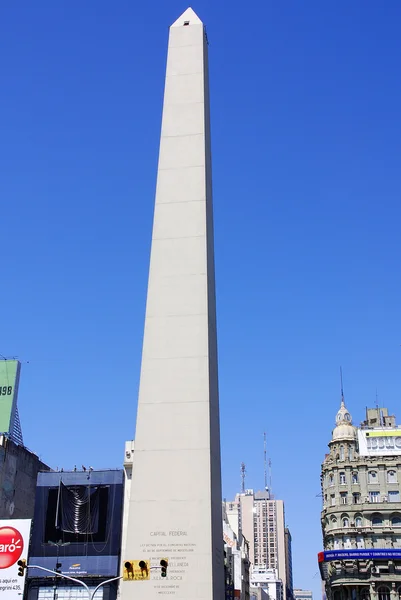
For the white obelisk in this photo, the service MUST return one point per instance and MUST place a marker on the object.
(175, 508)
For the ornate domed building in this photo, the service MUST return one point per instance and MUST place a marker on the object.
(361, 516)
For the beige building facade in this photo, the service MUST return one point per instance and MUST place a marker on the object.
(361, 516)
(262, 521)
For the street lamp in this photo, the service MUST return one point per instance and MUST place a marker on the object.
(59, 544)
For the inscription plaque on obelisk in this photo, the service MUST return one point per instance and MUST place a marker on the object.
(174, 531)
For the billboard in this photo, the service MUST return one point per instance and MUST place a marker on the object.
(84, 510)
(361, 554)
(379, 442)
(14, 542)
(75, 566)
(9, 380)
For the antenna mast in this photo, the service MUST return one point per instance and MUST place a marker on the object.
(243, 473)
(270, 479)
(342, 388)
(265, 460)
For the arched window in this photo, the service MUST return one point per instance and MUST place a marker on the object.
(392, 476)
(333, 519)
(383, 593)
(372, 477)
(358, 521)
(350, 453)
(342, 452)
(377, 521)
(396, 521)
(342, 478)
(345, 522)
(364, 594)
(354, 477)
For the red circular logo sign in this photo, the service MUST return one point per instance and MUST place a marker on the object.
(11, 546)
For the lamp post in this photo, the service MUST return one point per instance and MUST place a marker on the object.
(59, 544)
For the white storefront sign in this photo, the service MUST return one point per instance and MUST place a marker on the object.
(379, 442)
(14, 542)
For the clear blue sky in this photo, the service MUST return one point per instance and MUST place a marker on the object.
(306, 126)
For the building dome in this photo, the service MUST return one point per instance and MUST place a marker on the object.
(344, 430)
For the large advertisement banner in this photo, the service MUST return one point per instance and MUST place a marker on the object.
(9, 380)
(379, 442)
(14, 542)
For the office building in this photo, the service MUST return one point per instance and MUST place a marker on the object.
(261, 520)
(19, 466)
(361, 516)
(76, 530)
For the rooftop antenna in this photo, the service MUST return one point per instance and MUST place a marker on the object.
(265, 460)
(243, 473)
(342, 387)
(379, 412)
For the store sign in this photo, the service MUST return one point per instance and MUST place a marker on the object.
(76, 566)
(379, 442)
(14, 541)
(361, 554)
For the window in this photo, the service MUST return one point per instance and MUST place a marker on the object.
(372, 477)
(347, 542)
(66, 593)
(343, 497)
(394, 496)
(341, 452)
(383, 593)
(396, 521)
(342, 479)
(391, 476)
(350, 453)
(360, 541)
(345, 522)
(331, 479)
(334, 519)
(354, 477)
(377, 521)
(337, 543)
(186, 23)
(374, 496)
(333, 500)
(358, 521)
(356, 498)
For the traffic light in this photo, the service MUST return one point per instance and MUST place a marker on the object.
(136, 570)
(21, 567)
(58, 567)
(163, 566)
(144, 568)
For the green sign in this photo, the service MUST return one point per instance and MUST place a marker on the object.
(9, 379)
